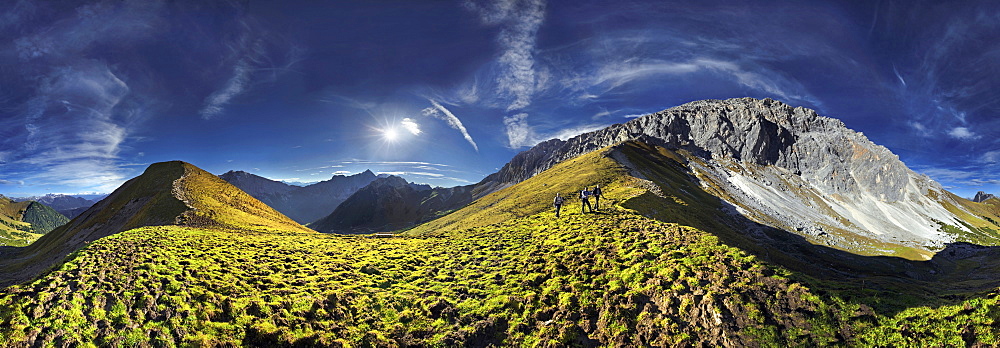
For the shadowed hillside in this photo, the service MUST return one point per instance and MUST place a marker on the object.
(391, 203)
(23, 222)
(303, 204)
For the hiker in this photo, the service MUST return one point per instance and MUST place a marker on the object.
(597, 197)
(585, 200)
(558, 202)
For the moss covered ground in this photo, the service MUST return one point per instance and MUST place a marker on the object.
(615, 279)
(506, 272)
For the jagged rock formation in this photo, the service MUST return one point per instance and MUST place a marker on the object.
(780, 165)
(391, 203)
(302, 204)
(982, 196)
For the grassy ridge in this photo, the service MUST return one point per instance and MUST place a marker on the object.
(587, 279)
(42, 218)
(535, 195)
(217, 203)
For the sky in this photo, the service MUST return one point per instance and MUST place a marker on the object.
(446, 92)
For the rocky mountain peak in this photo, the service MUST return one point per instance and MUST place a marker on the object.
(391, 180)
(745, 130)
(982, 196)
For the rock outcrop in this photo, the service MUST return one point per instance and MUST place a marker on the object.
(765, 132)
(781, 165)
(982, 196)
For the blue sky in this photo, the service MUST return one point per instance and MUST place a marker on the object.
(446, 92)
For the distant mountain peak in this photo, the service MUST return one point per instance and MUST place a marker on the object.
(301, 203)
(982, 196)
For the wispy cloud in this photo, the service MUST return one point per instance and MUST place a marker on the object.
(614, 75)
(518, 77)
(11, 182)
(898, 76)
(962, 133)
(440, 112)
(247, 53)
(73, 136)
(359, 161)
(521, 134)
(519, 21)
(990, 157)
(411, 126)
(215, 102)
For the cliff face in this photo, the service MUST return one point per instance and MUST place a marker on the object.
(784, 166)
(766, 132)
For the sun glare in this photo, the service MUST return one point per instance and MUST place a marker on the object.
(390, 134)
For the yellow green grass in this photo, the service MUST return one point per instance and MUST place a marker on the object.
(216, 203)
(511, 275)
(536, 194)
(615, 279)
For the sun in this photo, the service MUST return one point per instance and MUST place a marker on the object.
(390, 134)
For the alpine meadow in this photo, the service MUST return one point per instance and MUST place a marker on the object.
(511, 173)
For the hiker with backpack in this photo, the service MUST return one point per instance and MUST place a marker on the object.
(558, 203)
(597, 197)
(585, 200)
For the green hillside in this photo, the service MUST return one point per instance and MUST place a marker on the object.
(536, 194)
(21, 223)
(586, 279)
(503, 272)
(167, 193)
(42, 218)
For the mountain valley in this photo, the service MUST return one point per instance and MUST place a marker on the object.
(22, 222)
(741, 222)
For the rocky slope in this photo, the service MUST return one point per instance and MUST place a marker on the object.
(783, 166)
(391, 203)
(302, 204)
(167, 193)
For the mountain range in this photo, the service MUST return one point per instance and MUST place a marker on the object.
(738, 222)
(391, 203)
(69, 206)
(304, 204)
